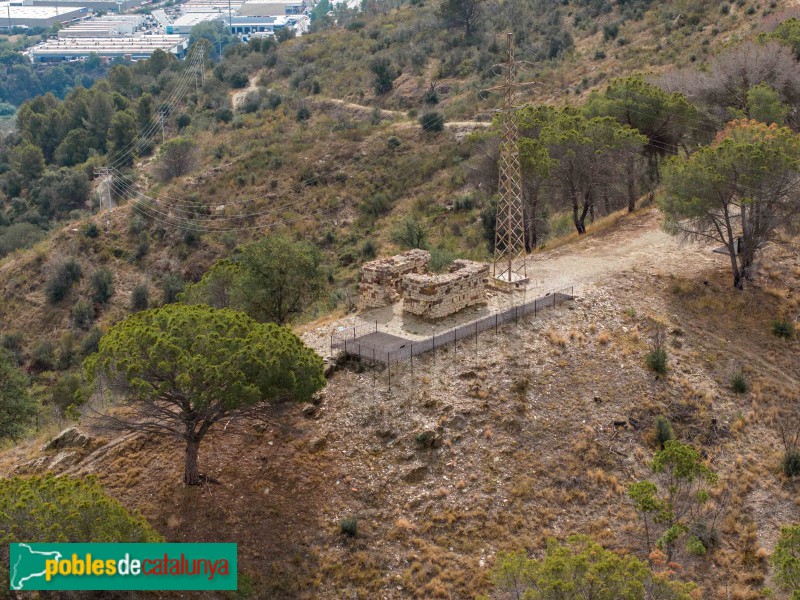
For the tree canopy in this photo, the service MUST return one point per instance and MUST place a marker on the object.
(675, 508)
(745, 185)
(183, 368)
(582, 157)
(786, 560)
(581, 568)
(63, 509)
(17, 408)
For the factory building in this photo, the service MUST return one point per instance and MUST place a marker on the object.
(272, 8)
(92, 5)
(129, 48)
(37, 16)
(107, 26)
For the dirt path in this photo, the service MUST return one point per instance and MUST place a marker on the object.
(238, 96)
(636, 243)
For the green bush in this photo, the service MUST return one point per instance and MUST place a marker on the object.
(375, 206)
(791, 463)
(656, 360)
(664, 431)
(90, 230)
(66, 391)
(786, 559)
(83, 314)
(410, 234)
(171, 287)
(739, 382)
(432, 121)
(349, 526)
(782, 328)
(102, 285)
(140, 297)
(394, 142)
(43, 357)
(91, 342)
(63, 509)
(60, 282)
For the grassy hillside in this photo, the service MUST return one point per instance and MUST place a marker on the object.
(541, 428)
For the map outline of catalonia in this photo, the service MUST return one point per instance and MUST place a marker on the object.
(18, 585)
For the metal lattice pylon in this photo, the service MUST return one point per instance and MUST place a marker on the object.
(509, 247)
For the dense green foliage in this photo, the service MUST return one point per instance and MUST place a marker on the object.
(581, 568)
(273, 279)
(676, 511)
(742, 185)
(786, 559)
(183, 368)
(17, 408)
(63, 509)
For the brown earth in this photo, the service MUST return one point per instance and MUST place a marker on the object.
(522, 442)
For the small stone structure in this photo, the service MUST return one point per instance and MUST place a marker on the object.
(437, 296)
(430, 296)
(381, 280)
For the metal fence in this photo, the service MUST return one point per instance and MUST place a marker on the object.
(368, 342)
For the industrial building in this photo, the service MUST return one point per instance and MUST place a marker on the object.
(184, 23)
(107, 26)
(37, 16)
(129, 48)
(272, 8)
(246, 26)
(92, 5)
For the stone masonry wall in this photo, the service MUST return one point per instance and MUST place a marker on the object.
(437, 296)
(381, 280)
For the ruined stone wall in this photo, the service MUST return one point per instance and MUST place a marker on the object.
(437, 296)
(381, 280)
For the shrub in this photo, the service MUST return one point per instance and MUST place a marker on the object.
(349, 526)
(664, 431)
(13, 343)
(90, 230)
(171, 287)
(91, 342)
(183, 121)
(432, 121)
(375, 206)
(368, 249)
(739, 382)
(66, 391)
(410, 234)
(786, 559)
(19, 236)
(440, 260)
(791, 463)
(599, 55)
(303, 113)
(102, 284)
(394, 142)
(783, 328)
(43, 356)
(224, 115)
(82, 314)
(60, 282)
(656, 360)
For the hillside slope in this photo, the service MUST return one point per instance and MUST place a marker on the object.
(529, 443)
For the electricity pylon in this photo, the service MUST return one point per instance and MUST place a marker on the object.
(508, 266)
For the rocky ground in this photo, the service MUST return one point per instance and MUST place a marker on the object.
(532, 433)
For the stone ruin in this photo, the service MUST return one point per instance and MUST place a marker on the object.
(428, 295)
(437, 296)
(382, 280)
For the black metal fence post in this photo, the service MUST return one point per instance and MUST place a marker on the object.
(476, 338)
(412, 359)
(389, 366)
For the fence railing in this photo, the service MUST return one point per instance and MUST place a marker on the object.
(356, 341)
